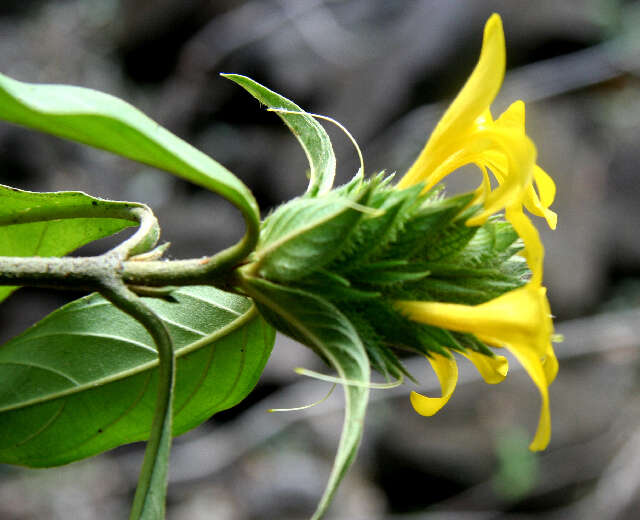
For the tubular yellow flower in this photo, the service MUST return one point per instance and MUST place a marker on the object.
(519, 320)
(467, 134)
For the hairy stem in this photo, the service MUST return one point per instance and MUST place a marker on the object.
(58, 273)
(84, 273)
(149, 500)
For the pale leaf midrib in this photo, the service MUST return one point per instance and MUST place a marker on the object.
(227, 329)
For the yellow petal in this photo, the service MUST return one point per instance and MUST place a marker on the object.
(512, 152)
(471, 102)
(513, 116)
(533, 248)
(519, 320)
(531, 363)
(446, 370)
(550, 364)
(519, 154)
(537, 203)
(546, 186)
(492, 369)
(485, 188)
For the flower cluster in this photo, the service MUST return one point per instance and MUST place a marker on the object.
(519, 320)
(373, 267)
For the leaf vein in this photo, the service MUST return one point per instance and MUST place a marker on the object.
(44, 427)
(200, 382)
(92, 335)
(227, 329)
(43, 367)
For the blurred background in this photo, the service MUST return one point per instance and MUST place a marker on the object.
(386, 70)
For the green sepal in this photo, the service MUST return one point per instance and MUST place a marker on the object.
(495, 242)
(305, 234)
(321, 326)
(447, 241)
(383, 274)
(470, 342)
(467, 291)
(382, 358)
(392, 328)
(426, 222)
(376, 232)
(329, 287)
(433, 338)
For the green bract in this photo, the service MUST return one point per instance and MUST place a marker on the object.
(328, 271)
(395, 245)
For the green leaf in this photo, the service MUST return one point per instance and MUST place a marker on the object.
(312, 137)
(106, 122)
(84, 379)
(54, 224)
(325, 329)
(305, 234)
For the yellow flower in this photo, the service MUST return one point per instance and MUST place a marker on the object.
(467, 134)
(519, 320)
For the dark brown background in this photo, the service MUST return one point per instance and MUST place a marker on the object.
(386, 70)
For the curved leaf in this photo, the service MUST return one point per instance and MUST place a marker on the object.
(106, 122)
(54, 224)
(84, 379)
(312, 137)
(326, 330)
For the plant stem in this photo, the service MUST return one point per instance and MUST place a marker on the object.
(85, 272)
(58, 273)
(150, 497)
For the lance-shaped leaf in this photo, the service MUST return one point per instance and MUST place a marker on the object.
(312, 137)
(54, 224)
(106, 122)
(321, 326)
(84, 379)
